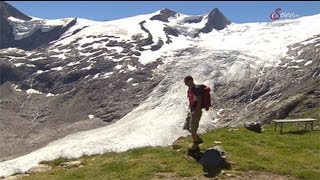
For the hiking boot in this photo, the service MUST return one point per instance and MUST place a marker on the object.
(199, 141)
(195, 153)
(194, 147)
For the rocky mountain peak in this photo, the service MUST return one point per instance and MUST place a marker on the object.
(164, 15)
(6, 10)
(167, 11)
(216, 20)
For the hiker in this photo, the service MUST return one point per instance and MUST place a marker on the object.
(194, 115)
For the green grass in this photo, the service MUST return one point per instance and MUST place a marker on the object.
(294, 153)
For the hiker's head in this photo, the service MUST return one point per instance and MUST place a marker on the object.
(188, 81)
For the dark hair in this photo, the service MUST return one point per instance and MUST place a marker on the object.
(188, 78)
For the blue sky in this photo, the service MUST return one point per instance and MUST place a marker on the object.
(238, 12)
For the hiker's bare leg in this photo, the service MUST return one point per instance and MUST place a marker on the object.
(195, 137)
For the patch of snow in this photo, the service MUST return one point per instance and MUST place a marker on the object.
(50, 95)
(307, 63)
(87, 68)
(298, 60)
(293, 67)
(15, 87)
(73, 63)
(39, 71)
(118, 66)
(107, 75)
(117, 60)
(85, 54)
(153, 27)
(12, 50)
(220, 111)
(300, 52)
(96, 76)
(130, 79)
(33, 91)
(18, 64)
(21, 64)
(36, 59)
(91, 116)
(131, 68)
(57, 68)
(60, 56)
(15, 19)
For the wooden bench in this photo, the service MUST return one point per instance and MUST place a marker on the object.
(281, 121)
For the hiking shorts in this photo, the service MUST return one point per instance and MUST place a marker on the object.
(192, 122)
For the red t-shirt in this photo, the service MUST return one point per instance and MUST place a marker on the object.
(193, 94)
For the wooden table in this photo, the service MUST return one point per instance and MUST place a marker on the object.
(282, 121)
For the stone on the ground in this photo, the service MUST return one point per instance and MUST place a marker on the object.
(39, 168)
(71, 164)
(253, 126)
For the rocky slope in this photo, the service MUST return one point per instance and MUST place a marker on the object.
(278, 92)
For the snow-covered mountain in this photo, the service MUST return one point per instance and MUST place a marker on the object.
(125, 78)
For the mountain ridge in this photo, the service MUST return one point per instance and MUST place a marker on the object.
(6, 10)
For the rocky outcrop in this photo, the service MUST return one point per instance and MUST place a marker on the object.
(170, 31)
(40, 38)
(147, 41)
(7, 72)
(164, 15)
(194, 20)
(215, 20)
(157, 46)
(6, 34)
(6, 10)
(33, 41)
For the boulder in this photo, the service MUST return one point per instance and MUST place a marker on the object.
(253, 126)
